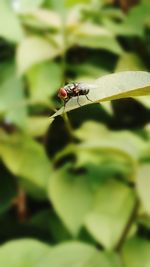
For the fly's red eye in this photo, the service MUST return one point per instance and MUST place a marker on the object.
(62, 93)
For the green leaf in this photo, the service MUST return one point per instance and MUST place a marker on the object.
(93, 36)
(71, 196)
(112, 86)
(30, 253)
(25, 5)
(37, 125)
(34, 50)
(42, 19)
(12, 96)
(137, 18)
(107, 106)
(143, 185)
(33, 253)
(26, 159)
(74, 254)
(144, 100)
(71, 3)
(10, 27)
(87, 69)
(95, 135)
(144, 220)
(83, 200)
(57, 6)
(106, 259)
(136, 253)
(133, 24)
(47, 221)
(130, 61)
(115, 152)
(109, 161)
(110, 215)
(44, 79)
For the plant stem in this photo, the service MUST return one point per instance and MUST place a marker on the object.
(128, 226)
(21, 205)
(68, 124)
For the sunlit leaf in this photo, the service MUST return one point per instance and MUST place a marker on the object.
(41, 20)
(23, 5)
(30, 252)
(112, 86)
(130, 61)
(106, 259)
(49, 18)
(83, 199)
(97, 136)
(56, 6)
(92, 36)
(71, 198)
(107, 107)
(143, 185)
(144, 100)
(44, 80)
(34, 50)
(12, 96)
(37, 125)
(70, 3)
(10, 27)
(26, 159)
(110, 161)
(74, 254)
(109, 213)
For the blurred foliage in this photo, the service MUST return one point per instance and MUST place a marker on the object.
(74, 191)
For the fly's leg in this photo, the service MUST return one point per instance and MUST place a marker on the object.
(88, 98)
(65, 102)
(64, 107)
(78, 100)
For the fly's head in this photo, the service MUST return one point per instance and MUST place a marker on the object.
(66, 92)
(62, 93)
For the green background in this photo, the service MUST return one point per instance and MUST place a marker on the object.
(74, 191)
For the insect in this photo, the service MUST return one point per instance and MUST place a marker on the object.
(73, 90)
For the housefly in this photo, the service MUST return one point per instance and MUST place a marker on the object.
(73, 90)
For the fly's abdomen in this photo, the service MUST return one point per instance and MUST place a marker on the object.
(83, 91)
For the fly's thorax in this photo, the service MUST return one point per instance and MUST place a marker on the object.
(69, 87)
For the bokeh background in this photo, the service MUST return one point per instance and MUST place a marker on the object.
(74, 191)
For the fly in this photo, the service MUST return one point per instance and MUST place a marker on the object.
(73, 90)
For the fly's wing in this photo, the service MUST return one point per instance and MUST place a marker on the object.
(97, 87)
(87, 86)
(93, 88)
